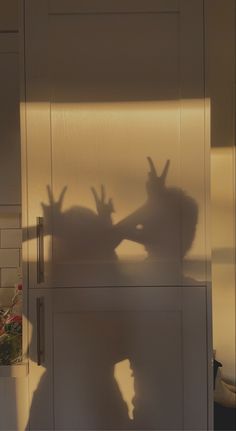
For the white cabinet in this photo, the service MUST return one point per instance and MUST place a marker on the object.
(119, 359)
(113, 91)
(9, 112)
(105, 90)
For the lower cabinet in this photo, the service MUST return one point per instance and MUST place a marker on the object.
(118, 359)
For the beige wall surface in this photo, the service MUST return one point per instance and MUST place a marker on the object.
(220, 84)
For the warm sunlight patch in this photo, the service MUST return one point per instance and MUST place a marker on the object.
(123, 374)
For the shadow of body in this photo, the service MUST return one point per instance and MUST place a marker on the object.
(83, 235)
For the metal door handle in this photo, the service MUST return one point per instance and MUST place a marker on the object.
(40, 250)
(40, 316)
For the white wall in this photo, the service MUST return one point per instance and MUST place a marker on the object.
(220, 80)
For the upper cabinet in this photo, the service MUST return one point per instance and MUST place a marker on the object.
(9, 105)
(9, 18)
(117, 158)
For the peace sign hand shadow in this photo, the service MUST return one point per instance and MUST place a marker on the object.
(104, 209)
(54, 207)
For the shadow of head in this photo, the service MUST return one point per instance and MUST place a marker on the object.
(166, 224)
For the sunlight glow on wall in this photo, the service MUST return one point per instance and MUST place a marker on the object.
(108, 143)
(123, 374)
(223, 256)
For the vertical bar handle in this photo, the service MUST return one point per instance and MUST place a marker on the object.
(40, 331)
(40, 250)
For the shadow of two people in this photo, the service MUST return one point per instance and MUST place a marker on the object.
(85, 235)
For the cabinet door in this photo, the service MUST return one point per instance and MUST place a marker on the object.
(108, 85)
(120, 359)
(115, 89)
(9, 112)
(40, 332)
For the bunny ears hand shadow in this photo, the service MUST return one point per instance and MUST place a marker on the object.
(155, 184)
